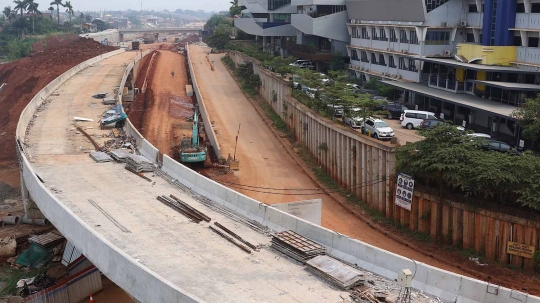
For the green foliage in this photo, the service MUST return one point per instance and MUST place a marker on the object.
(528, 118)
(337, 62)
(382, 89)
(228, 62)
(17, 48)
(453, 160)
(220, 37)
(279, 64)
(215, 21)
(235, 9)
(101, 25)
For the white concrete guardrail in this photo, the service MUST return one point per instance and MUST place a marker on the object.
(209, 129)
(147, 286)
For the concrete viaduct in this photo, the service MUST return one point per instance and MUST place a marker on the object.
(154, 253)
(117, 35)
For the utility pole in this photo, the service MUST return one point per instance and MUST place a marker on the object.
(236, 143)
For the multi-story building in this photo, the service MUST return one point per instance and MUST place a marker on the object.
(269, 21)
(470, 61)
(321, 31)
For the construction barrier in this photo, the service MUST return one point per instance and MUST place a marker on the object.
(209, 129)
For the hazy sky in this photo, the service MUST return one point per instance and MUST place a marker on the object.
(95, 5)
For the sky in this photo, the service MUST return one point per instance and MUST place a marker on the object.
(171, 5)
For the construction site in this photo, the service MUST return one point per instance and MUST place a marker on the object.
(153, 168)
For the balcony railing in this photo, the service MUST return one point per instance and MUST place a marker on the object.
(443, 83)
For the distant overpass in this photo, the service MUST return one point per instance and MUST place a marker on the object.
(185, 30)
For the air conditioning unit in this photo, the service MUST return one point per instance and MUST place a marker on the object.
(444, 24)
(353, 21)
(388, 49)
(447, 53)
(350, 66)
(395, 76)
(399, 76)
(463, 23)
(361, 68)
(403, 51)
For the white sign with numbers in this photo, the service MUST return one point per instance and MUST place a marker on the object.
(404, 191)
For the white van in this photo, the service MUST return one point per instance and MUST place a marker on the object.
(412, 118)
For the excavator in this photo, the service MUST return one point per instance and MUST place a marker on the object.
(191, 150)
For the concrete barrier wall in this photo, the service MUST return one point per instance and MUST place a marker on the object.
(122, 269)
(210, 133)
(429, 279)
(360, 164)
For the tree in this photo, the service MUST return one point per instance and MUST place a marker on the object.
(528, 118)
(214, 22)
(336, 62)
(8, 12)
(220, 37)
(33, 9)
(88, 18)
(21, 5)
(69, 9)
(235, 10)
(51, 9)
(57, 3)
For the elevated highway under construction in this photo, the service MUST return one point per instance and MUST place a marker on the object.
(160, 250)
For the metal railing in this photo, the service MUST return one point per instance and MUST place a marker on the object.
(444, 83)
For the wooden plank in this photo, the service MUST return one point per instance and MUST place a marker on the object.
(413, 221)
(445, 224)
(518, 237)
(504, 237)
(479, 233)
(405, 217)
(490, 239)
(531, 238)
(457, 227)
(468, 230)
(434, 219)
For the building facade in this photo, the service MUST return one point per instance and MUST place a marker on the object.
(470, 61)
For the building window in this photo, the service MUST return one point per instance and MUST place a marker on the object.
(354, 31)
(473, 8)
(373, 58)
(433, 4)
(393, 37)
(381, 60)
(403, 36)
(354, 55)
(391, 62)
(533, 42)
(412, 65)
(382, 35)
(363, 57)
(414, 37)
(535, 8)
(438, 38)
(275, 4)
(520, 8)
(374, 34)
(517, 40)
(470, 38)
(364, 33)
(281, 17)
(402, 63)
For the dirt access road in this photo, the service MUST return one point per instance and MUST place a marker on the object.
(168, 106)
(263, 161)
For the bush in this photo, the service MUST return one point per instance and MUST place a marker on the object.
(453, 161)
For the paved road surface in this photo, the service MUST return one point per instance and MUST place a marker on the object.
(264, 163)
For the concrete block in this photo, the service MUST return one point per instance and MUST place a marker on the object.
(442, 284)
(420, 277)
(497, 294)
(472, 290)
(279, 220)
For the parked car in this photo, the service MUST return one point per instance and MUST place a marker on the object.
(499, 146)
(336, 110)
(378, 128)
(412, 118)
(430, 123)
(302, 64)
(394, 110)
(353, 118)
(353, 86)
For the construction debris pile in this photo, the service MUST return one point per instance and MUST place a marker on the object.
(119, 140)
(137, 163)
(339, 274)
(296, 246)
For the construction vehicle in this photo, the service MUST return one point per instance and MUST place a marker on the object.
(135, 45)
(191, 150)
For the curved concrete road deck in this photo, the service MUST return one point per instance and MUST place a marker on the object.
(188, 255)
